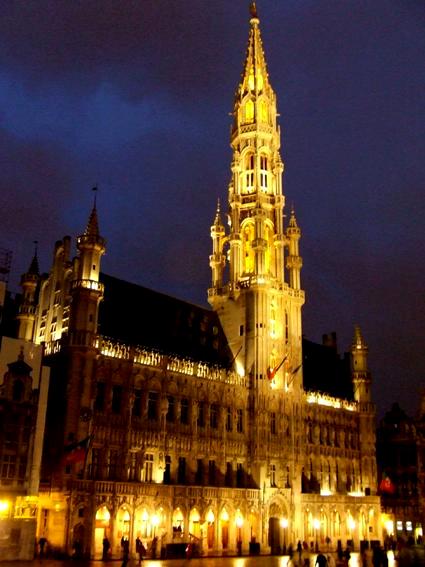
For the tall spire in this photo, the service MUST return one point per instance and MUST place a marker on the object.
(92, 228)
(255, 79)
(34, 269)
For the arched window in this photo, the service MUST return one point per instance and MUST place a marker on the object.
(249, 111)
(264, 174)
(249, 173)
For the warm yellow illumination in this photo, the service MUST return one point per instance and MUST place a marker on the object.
(351, 524)
(239, 521)
(263, 114)
(316, 524)
(249, 111)
(4, 506)
(356, 493)
(155, 520)
(251, 79)
(240, 369)
(195, 517)
(224, 515)
(210, 517)
(248, 252)
(389, 526)
(325, 492)
(324, 400)
(145, 516)
(103, 514)
(283, 523)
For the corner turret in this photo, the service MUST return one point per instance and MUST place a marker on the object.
(26, 315)
(361, 376)
(87, 291)
(294, 261)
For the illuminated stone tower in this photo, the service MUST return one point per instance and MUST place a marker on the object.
(86, 293)
(260, 303)
(26, 315)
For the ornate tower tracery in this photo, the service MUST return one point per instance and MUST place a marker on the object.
(260, 304)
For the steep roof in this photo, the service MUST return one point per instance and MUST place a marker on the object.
(136, 315)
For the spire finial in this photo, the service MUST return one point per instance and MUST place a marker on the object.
(94, 189)
(218, 206)
(33, 269)
(93, 226)
(253, 10)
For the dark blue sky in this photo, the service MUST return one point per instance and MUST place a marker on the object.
(135, 96)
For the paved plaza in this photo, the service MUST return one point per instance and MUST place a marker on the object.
(262, 561)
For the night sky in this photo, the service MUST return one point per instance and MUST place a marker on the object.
(134, 96)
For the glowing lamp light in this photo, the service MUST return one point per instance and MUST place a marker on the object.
(351, 524)
(145, 516)
(283, 523)
(4, 506)
(239, 521)
(316, 524)
(224, 515)
(210, 517)
(325, 492)
(155, 520)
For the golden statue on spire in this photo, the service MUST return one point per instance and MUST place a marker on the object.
(253, 10)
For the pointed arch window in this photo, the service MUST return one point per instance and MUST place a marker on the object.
(249, 111)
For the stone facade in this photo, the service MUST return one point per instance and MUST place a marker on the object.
(182, 448)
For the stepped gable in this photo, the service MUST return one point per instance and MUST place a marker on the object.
(135, 315)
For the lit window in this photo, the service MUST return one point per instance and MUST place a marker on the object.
(249, 111)
(399, 526)
(148, 467)
(409, 527)
(264, 173)
(272, 475)
(249, 173)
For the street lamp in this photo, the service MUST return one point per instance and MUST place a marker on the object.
(284, 525)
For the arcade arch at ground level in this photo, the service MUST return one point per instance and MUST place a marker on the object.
(218, 520)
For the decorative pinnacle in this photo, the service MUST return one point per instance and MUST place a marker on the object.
(92, 228)
(253, 10)
(217, 220)
(33, 269)
(292, 219)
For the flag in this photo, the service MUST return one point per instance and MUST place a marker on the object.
(76, 452)
(271, 372)
(386, 485)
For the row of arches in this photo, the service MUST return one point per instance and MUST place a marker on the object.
(211, 529)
